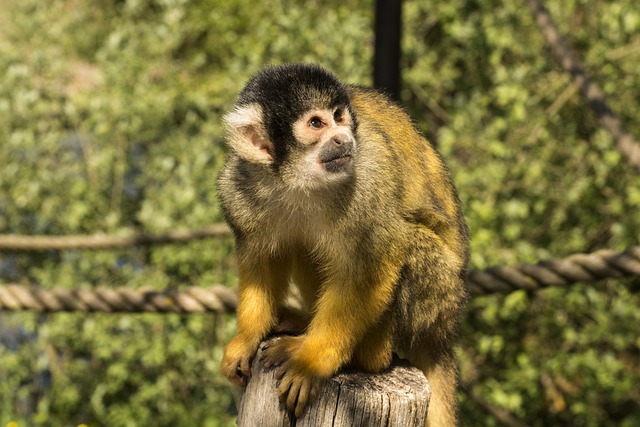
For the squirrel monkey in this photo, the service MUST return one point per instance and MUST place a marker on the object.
(331, 188)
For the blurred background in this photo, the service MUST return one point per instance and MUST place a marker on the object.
(110, 122)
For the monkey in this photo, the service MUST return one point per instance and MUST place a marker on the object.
(331, 188)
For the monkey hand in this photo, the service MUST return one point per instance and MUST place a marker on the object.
(297, 386)
(236, 362)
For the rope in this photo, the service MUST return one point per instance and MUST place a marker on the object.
(556, 272)
(100, 241)
(217, 299)
(590, 90)
(220, 299)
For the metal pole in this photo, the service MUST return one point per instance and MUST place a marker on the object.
(386, 61)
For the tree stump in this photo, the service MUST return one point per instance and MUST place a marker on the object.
(398, 397)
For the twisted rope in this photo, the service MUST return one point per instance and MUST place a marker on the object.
(556, 272)
(17, 242)
(219, 299)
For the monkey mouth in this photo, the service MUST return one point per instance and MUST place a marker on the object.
(336, 163)
(340, 158)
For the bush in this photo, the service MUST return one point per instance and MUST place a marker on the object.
(110, 123)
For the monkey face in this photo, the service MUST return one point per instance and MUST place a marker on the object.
(295, 121)
(325, 143)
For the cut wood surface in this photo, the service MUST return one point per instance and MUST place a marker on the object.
(398, 397)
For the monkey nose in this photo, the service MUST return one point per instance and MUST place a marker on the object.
(340, 139)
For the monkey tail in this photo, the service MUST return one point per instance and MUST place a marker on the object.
(442, 374)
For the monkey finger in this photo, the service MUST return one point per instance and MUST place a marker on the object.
(271, 342)
(267, 361)
(233, 373)
(241, 377)
(283, 385)
(265, 345)
(281, 371)
(292, 397)
(283, 390)
(241, 381)
(238, 379)
(303, 398)
(273, 353)
(244, 367)
(315, 390)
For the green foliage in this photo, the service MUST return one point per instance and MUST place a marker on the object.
(110, 123)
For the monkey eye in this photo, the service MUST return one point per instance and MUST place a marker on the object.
(316, 123)
(338, 116)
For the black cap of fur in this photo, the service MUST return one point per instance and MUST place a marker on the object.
(285, 92)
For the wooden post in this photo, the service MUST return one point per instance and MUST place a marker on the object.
(398, 397)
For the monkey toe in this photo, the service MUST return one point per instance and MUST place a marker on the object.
(276, 351)
(236, 371)
(236, 362)
(244, 366)
(296, 392)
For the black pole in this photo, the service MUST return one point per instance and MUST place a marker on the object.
(386, 59)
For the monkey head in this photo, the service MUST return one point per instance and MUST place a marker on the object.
(295, 120)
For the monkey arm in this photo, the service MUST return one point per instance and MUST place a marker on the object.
(345, 312)
(347, 309)
(261, 289)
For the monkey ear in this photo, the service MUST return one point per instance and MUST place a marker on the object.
(247, 135)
